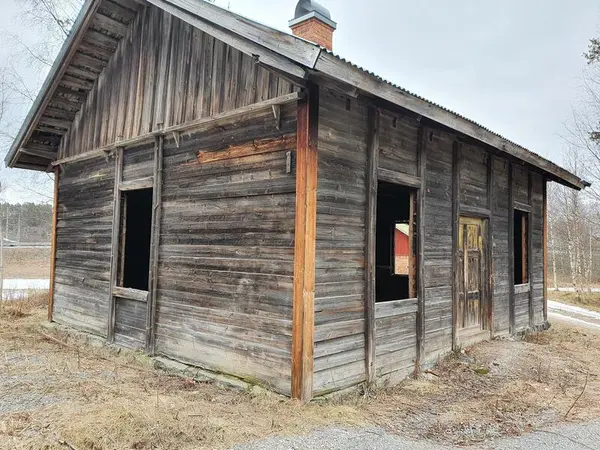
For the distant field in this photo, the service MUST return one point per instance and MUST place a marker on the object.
(589, 300)
(27, 263)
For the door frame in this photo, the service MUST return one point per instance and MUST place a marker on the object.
(486, 303)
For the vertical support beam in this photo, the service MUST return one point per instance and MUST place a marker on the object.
(53, 243)
(511, 250)
(528, 244)
(489, 305)
(455, 238)
(114, 252)
(371, 241)
(303, 316)
(545, 206)
(422, 160)
(154, 245)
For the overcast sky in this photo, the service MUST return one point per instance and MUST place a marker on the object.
(514, 66)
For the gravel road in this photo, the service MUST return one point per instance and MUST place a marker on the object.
(573, 437)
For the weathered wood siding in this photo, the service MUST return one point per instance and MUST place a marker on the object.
(473, 177)
(521, 307)
(138, 162)
(537, 247)
(130, 323)
(438, 244)
(398, 143)
(520, 184)
(500, 250)
(226, 252)
(340, 247)
(163, 73)
(395, 338)
(83, 239)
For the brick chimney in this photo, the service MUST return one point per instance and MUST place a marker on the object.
(313, 23)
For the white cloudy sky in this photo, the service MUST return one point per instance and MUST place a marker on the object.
(515, 66)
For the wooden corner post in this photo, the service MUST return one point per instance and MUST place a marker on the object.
(545, 233)
(371, 232)
(114, 252)
(53, 244)
(303, 316)
(456, 167)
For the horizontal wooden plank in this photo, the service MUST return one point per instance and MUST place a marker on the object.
(130, 294)
(132, 185)
(391, 176)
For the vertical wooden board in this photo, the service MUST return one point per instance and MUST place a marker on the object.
(458, 260)
(114, 252)
(545, 238)
(195, 71)
(218, 78)
(232, 78)
(136, 38)
(205, 87)
(155, 245)
(500, 243)
(537, 249)
(183, 71)
(162, 70)
(341, 243)
(262, 84)
(303, 315)
(511, 253)
(438, 275)
(153, 38)
(370, 239)
(248, 73)
(141, 73)
(53, 244)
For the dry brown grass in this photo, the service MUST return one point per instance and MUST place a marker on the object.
(26, 263)
(96, 399)
(589, 300)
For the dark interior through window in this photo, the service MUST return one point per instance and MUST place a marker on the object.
(136, 229)
(521, 246)
(395, 271)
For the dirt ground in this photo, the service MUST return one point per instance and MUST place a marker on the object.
(30, 263)
(56, 392)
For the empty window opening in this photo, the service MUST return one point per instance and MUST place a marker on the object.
(395, 277)
(136, 229)
(521, 247)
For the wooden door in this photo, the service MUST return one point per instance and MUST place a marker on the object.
(471, 274)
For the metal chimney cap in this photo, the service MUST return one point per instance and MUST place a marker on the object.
(306, 9)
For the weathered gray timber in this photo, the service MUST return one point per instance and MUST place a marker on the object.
(500, 246)
(83, 240)
(438, 244)
(164, 73)
(395, 339)
(225, 268)
(241, 200)
(340, 254)
(537, 247)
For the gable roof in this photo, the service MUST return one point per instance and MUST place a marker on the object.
(101, 24)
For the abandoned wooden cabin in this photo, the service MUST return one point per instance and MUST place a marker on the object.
(243, 200)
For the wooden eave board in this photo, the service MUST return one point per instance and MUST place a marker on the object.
(84, 55)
